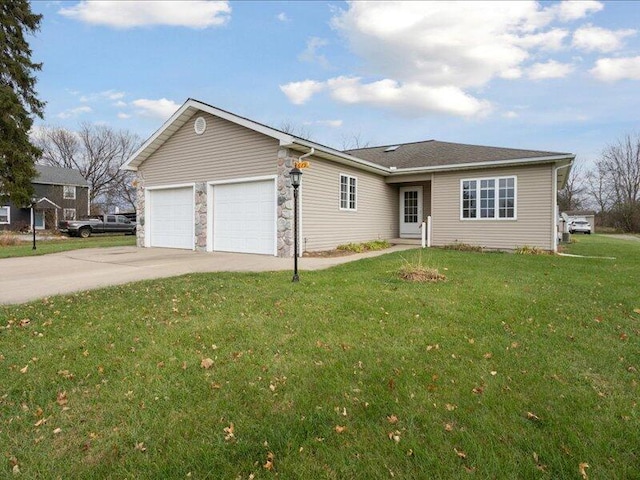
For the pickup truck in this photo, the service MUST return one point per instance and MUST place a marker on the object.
(100, 224)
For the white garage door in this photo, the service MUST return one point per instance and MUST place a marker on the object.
(171, 217)
(244, 217)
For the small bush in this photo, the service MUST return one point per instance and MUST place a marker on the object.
(8, 239)
(364, 247)
(527, 250)
(463, 247)
(417, 272)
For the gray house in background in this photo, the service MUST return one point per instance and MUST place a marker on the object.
(214, 181)
(60, 193)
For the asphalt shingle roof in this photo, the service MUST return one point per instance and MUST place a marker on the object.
(433, 153)
(59, 176)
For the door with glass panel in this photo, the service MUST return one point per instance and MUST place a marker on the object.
(410, 212)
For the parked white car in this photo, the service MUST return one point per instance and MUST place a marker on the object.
(580, 226)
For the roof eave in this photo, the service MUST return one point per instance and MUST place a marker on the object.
(487, 164)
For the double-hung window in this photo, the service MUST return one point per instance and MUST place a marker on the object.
(69, 192)
(348, 192)
(488, 198)
(69, 213)
(5, 215)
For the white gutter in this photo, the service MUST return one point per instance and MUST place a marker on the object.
(337, 155)
(308, 154)
(554, 190)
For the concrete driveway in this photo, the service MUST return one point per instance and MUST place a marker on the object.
(28, 278)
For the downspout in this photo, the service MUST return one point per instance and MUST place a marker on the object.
(311, 152)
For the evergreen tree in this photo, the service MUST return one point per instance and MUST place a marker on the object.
(18, 100)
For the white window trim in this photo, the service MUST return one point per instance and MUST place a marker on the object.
(65, 210)
(355, 193)
(64, 194)
(496, 198)
(8, 222)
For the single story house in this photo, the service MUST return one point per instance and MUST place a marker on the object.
(60, 193)
(214, 181)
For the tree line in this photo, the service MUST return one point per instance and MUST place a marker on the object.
(611, 187)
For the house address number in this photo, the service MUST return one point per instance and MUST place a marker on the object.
(303, 164)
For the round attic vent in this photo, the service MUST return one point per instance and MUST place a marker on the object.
(200, 125)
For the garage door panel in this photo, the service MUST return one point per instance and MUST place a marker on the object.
(171, 213)
(244, 217)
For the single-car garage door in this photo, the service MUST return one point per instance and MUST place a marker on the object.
(171, 222)
(244, 217)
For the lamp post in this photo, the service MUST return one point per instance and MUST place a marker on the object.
(33, 221)
(296, 177)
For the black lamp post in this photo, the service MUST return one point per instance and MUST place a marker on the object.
(33, 221)
(296, 177)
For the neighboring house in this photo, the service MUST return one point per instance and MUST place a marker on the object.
(212, 180)
(588, 215)
(59, 193)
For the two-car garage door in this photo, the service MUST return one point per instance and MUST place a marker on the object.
(243, 217)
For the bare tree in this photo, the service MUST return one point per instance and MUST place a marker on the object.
(288, 126)
(354, 141)
(571, 197)
(97, 151)
(618, 170)
(598, 190)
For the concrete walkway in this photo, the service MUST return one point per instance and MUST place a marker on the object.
(28, 278)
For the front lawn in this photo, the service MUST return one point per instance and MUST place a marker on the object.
(516, 366)
(64, 244)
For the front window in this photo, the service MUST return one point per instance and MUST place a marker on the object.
(69, 192)
(347, 192)
(5, 215)
(488, 198)
(69, 213)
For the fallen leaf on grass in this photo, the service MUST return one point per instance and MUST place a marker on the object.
(448, 427)
(66, 374)
(340, 428)
(140, 446)
(392, 419)
(269, 464)
(460, 453)
(478, 390)
(228, 433)
(24, 322)
(41, 422)
(582, 469)
(637, 310)
(62, 398)
(450, 407)
(24, 370)
(395, 436)
(533, 416)
(57, 431)
(206, 363)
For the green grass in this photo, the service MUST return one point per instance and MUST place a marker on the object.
(513, 358)
(65, 244)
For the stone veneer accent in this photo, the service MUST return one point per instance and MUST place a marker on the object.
(200, 227)
(285, 203)
(139, 184)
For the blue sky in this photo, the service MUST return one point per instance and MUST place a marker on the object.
(540, 75)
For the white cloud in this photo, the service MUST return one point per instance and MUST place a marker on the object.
(596, 39)
(299, 93)
(120, 104)
(123, 115)
(310, 54)
(550, 69)
(161, 108)
(613, 69)
(326, 123)
(108, 94)
(74, 112)
(510, 114)
(130, 14)
(411, 98)
(282, 16)
(426, 57)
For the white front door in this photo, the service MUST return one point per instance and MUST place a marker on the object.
(410, 212)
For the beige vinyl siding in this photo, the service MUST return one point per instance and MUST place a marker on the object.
(224, 151)
(534, 223)
(325, 226)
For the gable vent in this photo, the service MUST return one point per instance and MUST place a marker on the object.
(200, 125)
(393, 148)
